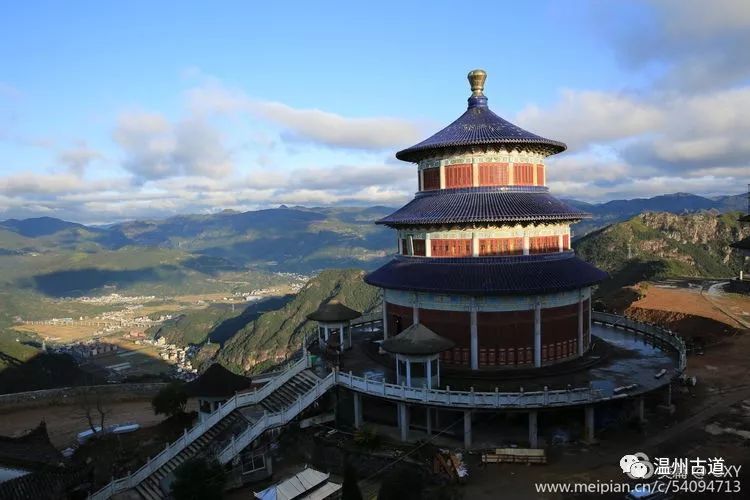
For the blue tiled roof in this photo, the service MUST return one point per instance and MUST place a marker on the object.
(487, 275)
(482, 205)
(478, 126)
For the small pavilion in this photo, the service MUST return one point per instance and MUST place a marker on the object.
(215, 386)
(334, 324)
(417, 350)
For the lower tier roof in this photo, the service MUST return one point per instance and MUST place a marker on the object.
(471, 205)
(532, 274)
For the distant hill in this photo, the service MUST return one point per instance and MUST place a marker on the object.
(277, 333)
(216, 322)
(614, 211)
(662, 245)
(288, 239)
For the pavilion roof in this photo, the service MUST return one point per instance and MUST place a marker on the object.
(417, 340)
(743, 244)
(332, 312)
(217, 382)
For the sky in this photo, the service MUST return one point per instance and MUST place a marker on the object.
(112, 111)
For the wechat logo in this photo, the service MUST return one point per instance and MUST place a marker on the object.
(637, 466)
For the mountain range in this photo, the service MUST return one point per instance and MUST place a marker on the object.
(295, 239)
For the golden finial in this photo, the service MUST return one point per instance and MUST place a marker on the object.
(476, 80)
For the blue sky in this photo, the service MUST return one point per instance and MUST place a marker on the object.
(111, 111)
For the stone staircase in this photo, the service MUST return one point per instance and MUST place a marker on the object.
(214, 439)
(234, 423)
(287, 394)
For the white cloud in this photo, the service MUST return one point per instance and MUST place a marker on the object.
(156, 148)
(581, 118)
(313, 125)
(78, 158)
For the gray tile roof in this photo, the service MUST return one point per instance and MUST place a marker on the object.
(482, 205)
(530, 274)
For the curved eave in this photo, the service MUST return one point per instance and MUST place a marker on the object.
(478, 205)
(519, 275)
(479, 126)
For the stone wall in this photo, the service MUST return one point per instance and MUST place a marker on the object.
(63, 394)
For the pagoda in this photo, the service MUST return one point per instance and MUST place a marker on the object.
(484, 250)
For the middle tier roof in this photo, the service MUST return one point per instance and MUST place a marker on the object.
(476, 205)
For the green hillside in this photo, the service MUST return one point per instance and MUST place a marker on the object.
(657, 245)
(276, 333)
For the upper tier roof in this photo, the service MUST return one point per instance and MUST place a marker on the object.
(478, 126)
(452, 206)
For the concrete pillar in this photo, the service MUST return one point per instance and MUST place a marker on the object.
(580, 323)
(588, 435)
(398, 370)
(442, 177)
(640, 409)
(408, 373)
(403, 421)
(533, 432)
(410, 244)
(400, 245)
(385, 320)
(474, 245)
(421, 180)
(357, 410)
(467, 429)
(428, 420)
(537, 334)
(325, 330)
(474, 337)
(427, 245)
(428, 369)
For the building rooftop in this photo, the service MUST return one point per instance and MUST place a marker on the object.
(487, 204)
(528, 274)
(306, 485)
(332, 312)
(479, 126)
(417, 340)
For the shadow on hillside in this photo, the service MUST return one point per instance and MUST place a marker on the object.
(49, 370)
(633, 272)
(211, 265)
(84, 281)
(304, 252)
(229, 327)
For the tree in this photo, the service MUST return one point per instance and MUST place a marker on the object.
(94, 409)
(170, 400)
(401, 484)
(199, 479)
(350, 488)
